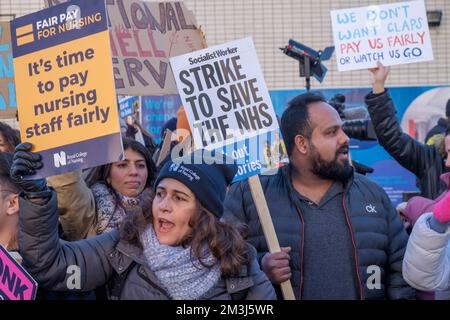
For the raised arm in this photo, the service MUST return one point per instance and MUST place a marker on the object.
(408, 152)
(50, 260)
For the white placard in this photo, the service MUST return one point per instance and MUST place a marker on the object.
(222, 88)
(395, 33)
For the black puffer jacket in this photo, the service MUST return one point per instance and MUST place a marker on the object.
(106, 259)
(424, 161)
(378, 237)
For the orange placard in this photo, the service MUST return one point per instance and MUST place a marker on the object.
(65, 86)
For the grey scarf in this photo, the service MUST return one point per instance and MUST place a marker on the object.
(179, 272)
(111, 212)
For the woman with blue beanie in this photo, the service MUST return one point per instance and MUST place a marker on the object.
(178, 249)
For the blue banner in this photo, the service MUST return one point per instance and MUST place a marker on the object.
(156, 110)
(44, 29)
(387, 172)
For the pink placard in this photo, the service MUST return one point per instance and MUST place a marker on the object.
(15, 282)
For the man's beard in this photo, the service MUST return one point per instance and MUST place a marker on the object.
(331, 170)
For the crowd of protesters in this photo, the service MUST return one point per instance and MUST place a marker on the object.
(182, 230)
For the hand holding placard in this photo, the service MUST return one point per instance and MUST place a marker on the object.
(25, 163)
(379, 76)
(269, 230)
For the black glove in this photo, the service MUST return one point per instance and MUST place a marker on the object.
(25, 163)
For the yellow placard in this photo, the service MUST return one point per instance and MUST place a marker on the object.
(74, 97)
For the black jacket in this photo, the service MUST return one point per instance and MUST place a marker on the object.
(106, 259)
(378, 237)
(424, 161)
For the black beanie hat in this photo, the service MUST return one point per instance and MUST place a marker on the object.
(206, 175)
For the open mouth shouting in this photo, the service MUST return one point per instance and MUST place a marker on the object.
(164, 225)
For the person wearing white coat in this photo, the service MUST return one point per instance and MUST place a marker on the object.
(426, 265)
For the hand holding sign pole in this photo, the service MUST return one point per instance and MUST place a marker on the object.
(229, 108)
(268, 228)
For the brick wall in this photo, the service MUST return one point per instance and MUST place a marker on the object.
(272, 22)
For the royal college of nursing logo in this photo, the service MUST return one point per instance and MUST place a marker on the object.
(174, 167)
(59, 159)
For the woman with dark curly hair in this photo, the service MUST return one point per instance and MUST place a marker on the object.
(178, 249)
(9, 138)
(111, 191)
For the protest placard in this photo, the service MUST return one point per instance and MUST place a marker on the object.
(8, 105)
(229, 109)
(228, 105)
(126, 106)
(157, 110)
(222, 88)
(65, 86)
(395, 33)
(143, 37)
(15, 282)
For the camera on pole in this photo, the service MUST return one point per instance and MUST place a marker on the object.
(309, 60)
